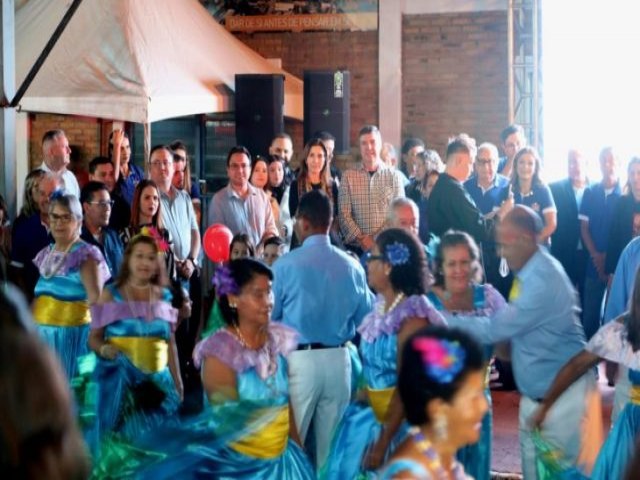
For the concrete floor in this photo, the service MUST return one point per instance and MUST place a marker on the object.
(505, 458)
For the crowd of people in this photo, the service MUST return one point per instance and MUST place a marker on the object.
(351, 333)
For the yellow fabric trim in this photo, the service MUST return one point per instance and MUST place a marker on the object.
(380, 400)
(515, 290)
(268, 441)
(48, 310)
(149, 354)
(634, 395)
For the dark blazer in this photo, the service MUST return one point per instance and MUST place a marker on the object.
(564, 241)
(450, 206)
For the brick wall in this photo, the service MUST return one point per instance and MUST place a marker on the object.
(353, 51)
(83, 134)
(455, 76)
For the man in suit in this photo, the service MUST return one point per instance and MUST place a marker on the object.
(450, 206)
(566, 244)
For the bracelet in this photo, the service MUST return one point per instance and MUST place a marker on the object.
(101, 349)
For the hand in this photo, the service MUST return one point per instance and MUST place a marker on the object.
(374, 456)
(366, 242)
(185, 309)
(506, 207)
(598, 262)
(185, 268)
(537, 418)
(180, 390)
(117, 138)
(108, 351)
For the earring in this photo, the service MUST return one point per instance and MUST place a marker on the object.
(440, 427)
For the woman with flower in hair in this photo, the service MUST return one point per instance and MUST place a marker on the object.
(72, 274)
(249, 431)
(441, 384)
(397, 271)
(457, 290)
(132, 333)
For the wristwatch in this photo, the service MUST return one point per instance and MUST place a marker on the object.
(193, 261)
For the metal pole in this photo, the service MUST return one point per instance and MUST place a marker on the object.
(8, 117)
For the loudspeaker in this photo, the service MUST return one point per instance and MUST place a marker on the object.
(259, 105)
(326, 105)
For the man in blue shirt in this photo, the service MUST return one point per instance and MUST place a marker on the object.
(489, 190)
(96, 206)
(596, 213)
(321, 292)
(541, 320)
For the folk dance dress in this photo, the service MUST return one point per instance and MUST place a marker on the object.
(247, 438)
(476, 458)
(610, 343)
(60, 307)
(362, 423)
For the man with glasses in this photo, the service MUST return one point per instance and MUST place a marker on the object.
(96, 207)
(101, 170)
(179, 218)
(240, 206)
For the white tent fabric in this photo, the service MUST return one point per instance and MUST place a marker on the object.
(136, 60)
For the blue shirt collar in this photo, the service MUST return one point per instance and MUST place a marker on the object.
(530, 265)
(316, 239)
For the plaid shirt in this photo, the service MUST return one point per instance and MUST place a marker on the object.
(364, 200)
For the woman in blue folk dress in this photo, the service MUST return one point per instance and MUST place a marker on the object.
(72, 273)
(248, 431)
(618, 341)
(397, 271)
(456, 290)
(137, 376)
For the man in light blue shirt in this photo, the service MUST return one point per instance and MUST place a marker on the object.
(542, 323)
(321, 292)
(240, 206)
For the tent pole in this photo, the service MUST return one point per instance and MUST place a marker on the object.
(45, 53)
(147, 147)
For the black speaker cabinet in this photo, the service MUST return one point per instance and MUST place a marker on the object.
(259, 106)
(326, 105)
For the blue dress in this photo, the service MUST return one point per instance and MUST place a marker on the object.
(361, 424)
(476, 458)
(135, 392)
(610, 343)
(60, 307)
(247, 438)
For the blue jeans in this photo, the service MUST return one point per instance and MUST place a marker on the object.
(592, 305)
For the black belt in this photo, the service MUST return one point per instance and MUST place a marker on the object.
(317, 346)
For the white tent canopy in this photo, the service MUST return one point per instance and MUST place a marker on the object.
(135, 60)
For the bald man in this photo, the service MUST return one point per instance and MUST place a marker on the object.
(542, 322)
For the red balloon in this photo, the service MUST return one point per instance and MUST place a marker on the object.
(216, 242)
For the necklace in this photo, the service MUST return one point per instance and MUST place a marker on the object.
(54, 260)
(394, 304)
(272, 365)
(433, 459)
(133, 303)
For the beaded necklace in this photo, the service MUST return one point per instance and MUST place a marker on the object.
(394, 304)
(273, 366)
(54, 260)
(433, 459)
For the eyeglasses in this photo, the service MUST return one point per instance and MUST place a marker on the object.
(238, 166)
(483, 161)
(160, 163)
(64, 219)
(369, 257)
(103, 203)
